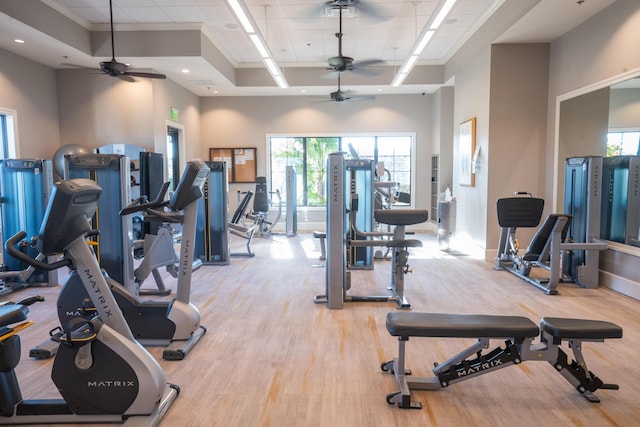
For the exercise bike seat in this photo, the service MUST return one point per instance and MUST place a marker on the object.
(12, 313)
(401, 216)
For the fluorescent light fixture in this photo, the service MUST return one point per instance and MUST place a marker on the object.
(259, 45)
(242, 16)
(251, 29)
(408, 64)
(281, 82)
(425, 37)
(398, 79)
(272, 67)
(423, 42)
(19, 41)
(442, 14)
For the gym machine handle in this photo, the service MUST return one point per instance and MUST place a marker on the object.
(140, 204)
(10, 246)
(523, 193)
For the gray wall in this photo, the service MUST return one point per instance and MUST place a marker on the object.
(472, 100)
(574, 68)
(594, 55)
(517, 129)
(29, 88)
(624, 109)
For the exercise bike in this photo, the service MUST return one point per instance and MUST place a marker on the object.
(156, 249)
(172, 324)
(102, 373)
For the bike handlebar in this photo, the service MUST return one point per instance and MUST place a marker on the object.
(140, 204)
(11, 249)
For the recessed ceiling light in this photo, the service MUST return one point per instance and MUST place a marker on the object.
(18, 41)
(303, 91)
(379, 89)
(215, 91)
(184, 70)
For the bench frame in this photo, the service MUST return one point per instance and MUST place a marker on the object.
(517, 349)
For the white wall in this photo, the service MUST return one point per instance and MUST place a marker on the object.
(29, 88)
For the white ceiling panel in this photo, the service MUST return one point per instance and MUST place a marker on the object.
(296, 33)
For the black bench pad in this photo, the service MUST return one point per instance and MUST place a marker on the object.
(12, 313)
(442, 325)
(401, 216)
(580, 328)
(411, 243)
(319, 235)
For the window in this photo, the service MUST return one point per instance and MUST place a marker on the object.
(308, 156)
(7, 134)
(623, 143)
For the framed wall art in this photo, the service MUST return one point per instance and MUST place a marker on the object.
(467, 146)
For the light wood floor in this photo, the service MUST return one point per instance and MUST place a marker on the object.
(271, 357)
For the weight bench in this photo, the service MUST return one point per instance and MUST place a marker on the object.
(518, 334)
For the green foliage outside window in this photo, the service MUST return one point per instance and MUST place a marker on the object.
(308, 157)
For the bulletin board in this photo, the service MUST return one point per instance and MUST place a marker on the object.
(241, 163)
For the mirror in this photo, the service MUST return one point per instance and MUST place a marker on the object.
(604, 122)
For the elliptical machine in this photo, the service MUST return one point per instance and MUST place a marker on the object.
(102, 373)
(172, 324)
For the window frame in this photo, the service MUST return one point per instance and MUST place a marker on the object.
(9, 129)
(341, 136)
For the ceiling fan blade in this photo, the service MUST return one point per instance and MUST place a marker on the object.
(374, 12)
(145, 75)
(127, 78)
(367, 62)
(362, 98)
(331, 75)
(365, 71)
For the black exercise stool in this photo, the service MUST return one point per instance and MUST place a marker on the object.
(321, 236)
(400, 218)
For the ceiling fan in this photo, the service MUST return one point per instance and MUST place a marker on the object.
(341, 62)
(114, 68)
(347, 95)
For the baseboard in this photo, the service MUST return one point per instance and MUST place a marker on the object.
(620, 284)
